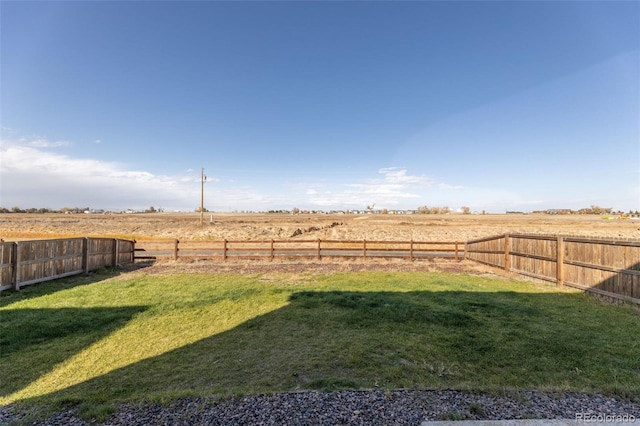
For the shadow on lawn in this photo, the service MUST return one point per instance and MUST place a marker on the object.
(45, 288)
(63, 331)
(341, 339)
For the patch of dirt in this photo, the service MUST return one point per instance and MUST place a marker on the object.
(165, 267)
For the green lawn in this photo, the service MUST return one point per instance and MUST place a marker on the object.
(108, 338)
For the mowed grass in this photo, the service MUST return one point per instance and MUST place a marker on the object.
(100, 340)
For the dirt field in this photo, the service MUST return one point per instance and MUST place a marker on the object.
(186, 226)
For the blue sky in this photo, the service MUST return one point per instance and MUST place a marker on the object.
(520, 105)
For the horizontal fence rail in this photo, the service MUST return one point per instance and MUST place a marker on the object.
(28, 262)
(608, 267)
(318, 249)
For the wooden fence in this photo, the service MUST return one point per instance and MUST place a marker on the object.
(28, 262)
(318, 249)
(609, 267)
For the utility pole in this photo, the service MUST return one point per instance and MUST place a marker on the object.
(203, 178)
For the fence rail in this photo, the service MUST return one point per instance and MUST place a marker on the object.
(28, 262)
(609, 267)
(318, 249)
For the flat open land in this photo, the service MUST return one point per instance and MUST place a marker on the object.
(253, 226)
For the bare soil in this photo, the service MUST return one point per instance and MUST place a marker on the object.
(296, 268)
(231, 226)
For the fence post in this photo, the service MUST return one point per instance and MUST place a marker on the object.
(272, 249)
(456, 258)
(319, 255)
(85, 255)
(411, 250)
(114, 261)
(175, 249)
(364, 248)
(507, 257)
(224, 250)
(560, 261)
(15, 275)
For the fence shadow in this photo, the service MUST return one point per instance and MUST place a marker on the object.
(623, 286)
(60, 284)
(63, 331)
(451, 339)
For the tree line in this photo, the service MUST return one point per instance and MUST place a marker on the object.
(42, 210)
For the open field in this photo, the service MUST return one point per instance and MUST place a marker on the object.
(96, 341)
(233, 226)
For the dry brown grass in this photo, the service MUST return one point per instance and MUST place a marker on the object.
(186, 226)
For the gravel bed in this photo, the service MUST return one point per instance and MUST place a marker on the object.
(376, 407)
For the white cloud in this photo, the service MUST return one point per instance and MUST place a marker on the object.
(443, 185)
(395, 189)
(32, 177)
(399, 176)
(44, 143)
(7, 130)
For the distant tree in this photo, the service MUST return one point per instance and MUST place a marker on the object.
(601, 210)
(424, 210)
(150, 210)
(465, 210)
(295, 210)
(384, 211)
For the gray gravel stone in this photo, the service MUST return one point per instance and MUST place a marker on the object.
(376, 407)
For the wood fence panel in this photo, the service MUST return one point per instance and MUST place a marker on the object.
(28, 262)
(126, 252)
(489, 251)
(532, 257)
(100, 253)
(43, 260)
(605, 266)
(609, 267)
(7, 265)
